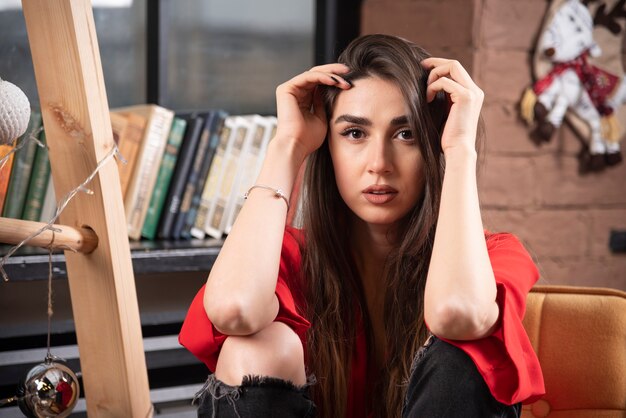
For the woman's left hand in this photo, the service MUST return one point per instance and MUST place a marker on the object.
(466, 99)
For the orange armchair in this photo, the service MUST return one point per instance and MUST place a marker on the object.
(579, 335)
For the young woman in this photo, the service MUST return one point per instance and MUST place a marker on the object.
(391, 295)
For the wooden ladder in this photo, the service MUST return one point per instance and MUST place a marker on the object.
(75, 112)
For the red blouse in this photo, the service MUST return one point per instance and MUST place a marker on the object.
(505, 359)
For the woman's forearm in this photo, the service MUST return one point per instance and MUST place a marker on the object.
(240, 292)
(460, 289)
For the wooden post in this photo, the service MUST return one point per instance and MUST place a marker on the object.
(75, 113)
(14, 231)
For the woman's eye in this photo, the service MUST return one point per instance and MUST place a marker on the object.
(405, 135)
(353, 133)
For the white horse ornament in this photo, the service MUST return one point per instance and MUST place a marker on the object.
(571, 85)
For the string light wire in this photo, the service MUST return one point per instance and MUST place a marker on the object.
(20, 144)
(114, 152)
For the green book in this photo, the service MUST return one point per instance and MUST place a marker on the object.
(38, 183)
(20, 173)
(164, 177)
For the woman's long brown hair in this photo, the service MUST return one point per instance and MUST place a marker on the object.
(334, 294)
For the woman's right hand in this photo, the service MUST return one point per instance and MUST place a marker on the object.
(300, 109)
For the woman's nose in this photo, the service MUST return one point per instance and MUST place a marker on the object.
(379, 157)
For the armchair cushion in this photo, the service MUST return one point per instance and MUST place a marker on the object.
(579, 335)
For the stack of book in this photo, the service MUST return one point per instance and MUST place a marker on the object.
(184, 174)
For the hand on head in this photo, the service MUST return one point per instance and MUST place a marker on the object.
(300, 108)
(466, 99)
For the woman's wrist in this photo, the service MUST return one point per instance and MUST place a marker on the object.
(288, 148)
(460, 154)
(291, 147)
(281, 166)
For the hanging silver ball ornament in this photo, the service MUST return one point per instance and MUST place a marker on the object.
(50, 390)
(14, 112)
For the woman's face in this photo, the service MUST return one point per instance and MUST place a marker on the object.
(377, 162)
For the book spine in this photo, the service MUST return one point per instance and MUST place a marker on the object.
(217, 215)
(140, 189)
(5, 171)
(265, 128)
(38, 182)
(246, 169)
(164, 178)
(179, 179)
(129, 146)
(215, 127)
(211, 184)
(20, 173)
(193, 177)
(49, 202)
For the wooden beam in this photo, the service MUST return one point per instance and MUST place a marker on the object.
(75, 113)
(14, 231)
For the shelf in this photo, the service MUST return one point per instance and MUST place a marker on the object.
(148, 257)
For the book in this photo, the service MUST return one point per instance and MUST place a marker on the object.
(216, 219)
(249, 165)
(192, 176)
(49, 202)
(179, 178)
(38, 182)
(210, 185)
(150, 154)
(5, 170)
(168, 163)
(129, 129)
(20, 172)
(213, 126)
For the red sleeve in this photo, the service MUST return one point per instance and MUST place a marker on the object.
(506, 359)
(201, 338)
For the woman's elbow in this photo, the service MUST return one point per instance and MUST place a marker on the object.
(459, 320)
(231, 316)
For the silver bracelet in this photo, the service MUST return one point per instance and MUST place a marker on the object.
(278, 193)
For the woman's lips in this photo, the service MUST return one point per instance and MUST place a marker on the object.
(379, 194)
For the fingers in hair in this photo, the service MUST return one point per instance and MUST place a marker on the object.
(440, 67)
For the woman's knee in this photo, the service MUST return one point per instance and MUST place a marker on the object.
(441, 365)
(445, 382)
(275, 351)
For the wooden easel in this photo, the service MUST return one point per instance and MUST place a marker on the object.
(75, 112)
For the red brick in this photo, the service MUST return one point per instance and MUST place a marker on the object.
(546, 233)
(589, 272)
(503, 74)
(507, 134)
(602, 222)
(430, 23)
(506, 182)
(562, 185)
(511, 24)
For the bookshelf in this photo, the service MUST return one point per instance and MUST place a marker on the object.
(148, 257)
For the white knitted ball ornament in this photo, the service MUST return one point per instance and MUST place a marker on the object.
(14, 112)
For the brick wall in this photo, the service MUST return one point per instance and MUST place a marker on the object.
(563, 218)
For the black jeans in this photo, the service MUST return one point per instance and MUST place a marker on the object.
(444, 383)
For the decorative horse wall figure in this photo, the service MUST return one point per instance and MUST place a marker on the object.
(574, 84)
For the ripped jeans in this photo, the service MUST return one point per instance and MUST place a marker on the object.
(444, 383)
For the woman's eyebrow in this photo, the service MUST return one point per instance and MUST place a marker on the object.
(357, 120)
(400, 120)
